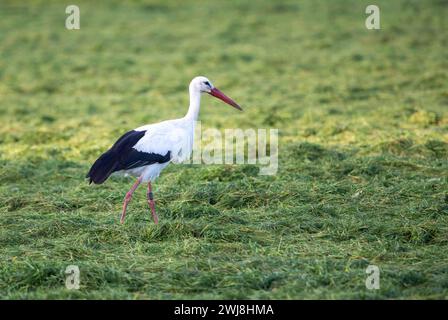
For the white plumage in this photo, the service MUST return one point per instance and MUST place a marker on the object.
(174, 136)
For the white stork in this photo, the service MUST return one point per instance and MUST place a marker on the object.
(144, 152)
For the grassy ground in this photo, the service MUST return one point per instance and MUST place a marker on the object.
(363, 149)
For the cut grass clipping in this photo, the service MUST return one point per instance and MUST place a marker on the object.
(362, 179)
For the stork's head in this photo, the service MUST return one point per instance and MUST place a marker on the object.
(202, 84)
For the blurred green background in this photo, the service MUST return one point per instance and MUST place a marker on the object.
(363, 149)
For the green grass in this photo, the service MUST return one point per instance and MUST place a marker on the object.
(363, 167)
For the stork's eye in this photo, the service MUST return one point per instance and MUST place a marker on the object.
(207, 83)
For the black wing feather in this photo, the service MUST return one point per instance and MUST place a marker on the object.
(122, 156)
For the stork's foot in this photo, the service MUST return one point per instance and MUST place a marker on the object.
(128, 198)
(152, 204)
(153, 211)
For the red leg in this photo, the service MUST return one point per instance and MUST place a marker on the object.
(152, 204)
(128, 197)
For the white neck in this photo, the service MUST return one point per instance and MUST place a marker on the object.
(195, 104)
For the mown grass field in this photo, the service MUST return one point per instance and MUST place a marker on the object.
(363, 158)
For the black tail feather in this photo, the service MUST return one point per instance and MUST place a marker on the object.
(122, 156)
(103, 167)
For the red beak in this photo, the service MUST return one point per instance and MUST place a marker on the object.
(218, 94)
